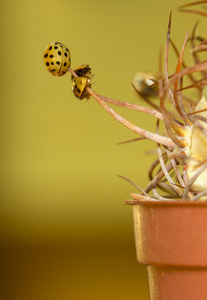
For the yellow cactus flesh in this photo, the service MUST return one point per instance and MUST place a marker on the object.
(197, 149)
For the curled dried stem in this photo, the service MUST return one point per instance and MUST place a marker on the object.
(155, 181)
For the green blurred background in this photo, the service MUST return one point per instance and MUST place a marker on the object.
(65, 232)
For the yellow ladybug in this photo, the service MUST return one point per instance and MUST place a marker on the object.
(145, 84)
(57, 59)
(80, 83)
(83, 70)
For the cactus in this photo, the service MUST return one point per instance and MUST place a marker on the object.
(179, 172)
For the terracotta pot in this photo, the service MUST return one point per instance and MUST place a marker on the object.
(171, 239)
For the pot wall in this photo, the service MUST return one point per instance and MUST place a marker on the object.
(173, 283)
(171, 239)
(171, 234)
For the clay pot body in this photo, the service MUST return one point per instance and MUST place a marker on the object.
(171, 239)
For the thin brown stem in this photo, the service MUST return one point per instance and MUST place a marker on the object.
(183, 63)
(193, 69)
(165, 171)
(193, 3)
(154, 182)
(175, 85)
(199, 48)
(134, 184)
(144, 109)
(166, 117)
(130, 141)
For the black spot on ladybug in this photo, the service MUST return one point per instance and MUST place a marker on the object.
(67, 50)
(50, 48)
(65, 54)
(52, 63)
(65, 64)
(51, 56)
(46, 55)
(59, 53)
(78, 90)
(56, 47)
(58, 63)
(63, 72)
(47, 63)
(53, 70)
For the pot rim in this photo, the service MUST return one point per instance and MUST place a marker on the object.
(168, 203)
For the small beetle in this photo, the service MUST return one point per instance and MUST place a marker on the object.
(83, 70)
(80, 83)
(57, 59)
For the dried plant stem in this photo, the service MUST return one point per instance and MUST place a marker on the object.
(166, 141)
(193, 3)
(175, 167)
(141, 197)
(167, 198)
(183, 63)
(154, 182)
(168, 121)
(146, 110)
(193, 38)
(157, 196)
(133, 140)
(137, 197)
(180, 109)
(154, 165)
(204, 193)
(149, 135)
(199, 48)
(134, 184)
(165, 171)
(193, 69)
(193, 11)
